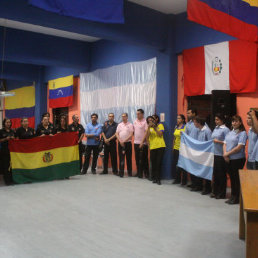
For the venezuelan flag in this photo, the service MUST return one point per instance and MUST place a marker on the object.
(61, 92)
(45, 158)
(21, 105)
(238, 18)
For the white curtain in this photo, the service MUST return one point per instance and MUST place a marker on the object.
(118, 89)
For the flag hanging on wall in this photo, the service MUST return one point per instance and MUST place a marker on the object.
(196, 157)
(61, 92)
(109, 11)
(22, 104)
(238, 18)
(229, 65)
(54, 157)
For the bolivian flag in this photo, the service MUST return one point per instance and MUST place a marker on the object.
(45, 158)
(61, 92)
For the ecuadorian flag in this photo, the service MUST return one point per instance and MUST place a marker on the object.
(61, 92)
(22, 104)
(45, 158)
(238, 18)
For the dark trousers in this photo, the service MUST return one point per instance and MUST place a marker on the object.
(81, 151)
(250, 165)
(110, 149)
(177, 172)
(234, 166)
(141, 158)
(219, 176)
(196, 181)
(125, 151)
(89, 149)
(5, 163)
(156, 156)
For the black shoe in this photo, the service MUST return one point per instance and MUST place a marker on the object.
(183, 183)
(136, 175)
(196, 189)
(212, 195)
(93, 171)
(229, 200)
(233, 201)
(154, 181)
(176, 182)
(83, 172)
(220, 196)
(103, 173)
(191, 186)
(158, 182)
(121, 176)
(205, 192)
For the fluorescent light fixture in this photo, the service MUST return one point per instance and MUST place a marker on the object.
(6, 94)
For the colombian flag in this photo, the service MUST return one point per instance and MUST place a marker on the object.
(61, 92)
(45, 158)
(21, 105)
(238, 18)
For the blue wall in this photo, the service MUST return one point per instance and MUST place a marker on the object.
(189, 34)
(107, 53)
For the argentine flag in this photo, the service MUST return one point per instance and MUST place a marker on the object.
(196, 157)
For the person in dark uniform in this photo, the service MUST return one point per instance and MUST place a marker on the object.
(25, 132)
(44, 128)
(76, 127)
(109, 135)
(47, 114)
(6, 134)
(63, 125)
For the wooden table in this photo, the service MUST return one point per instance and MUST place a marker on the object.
(248, 219)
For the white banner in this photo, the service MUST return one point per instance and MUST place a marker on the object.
(119, 89)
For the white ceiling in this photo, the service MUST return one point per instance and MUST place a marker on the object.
(45, 30)
(164, 6)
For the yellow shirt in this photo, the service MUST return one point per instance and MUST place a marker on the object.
(177, 137)
(155, 140)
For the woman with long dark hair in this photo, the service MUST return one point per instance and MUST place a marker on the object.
(176, 171)
(155, 139)
(6, 134)
(63, 125)
(234, 154)
(220, 168)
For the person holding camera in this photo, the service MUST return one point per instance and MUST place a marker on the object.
(254, 116)
(124, 134)
(234, 154)
(109, 135)
(154, 136)
(92, 132)
(252, 139)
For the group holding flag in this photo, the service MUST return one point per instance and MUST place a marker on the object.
(210, 155)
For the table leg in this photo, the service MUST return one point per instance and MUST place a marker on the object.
(252, 235)
(241, 219)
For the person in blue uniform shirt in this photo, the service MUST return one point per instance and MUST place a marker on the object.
(203, 135)
(6, 134)
(252, 140)
(25, 132)
(220, 167)
(45, 128)
(234, 154)
(92, 131)
(192, 131)
(110, 145)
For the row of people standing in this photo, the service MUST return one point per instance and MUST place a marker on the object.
(146, 132)
(229, 153)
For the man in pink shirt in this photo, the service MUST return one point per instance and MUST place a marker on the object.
(124, 133)
(140, 145)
